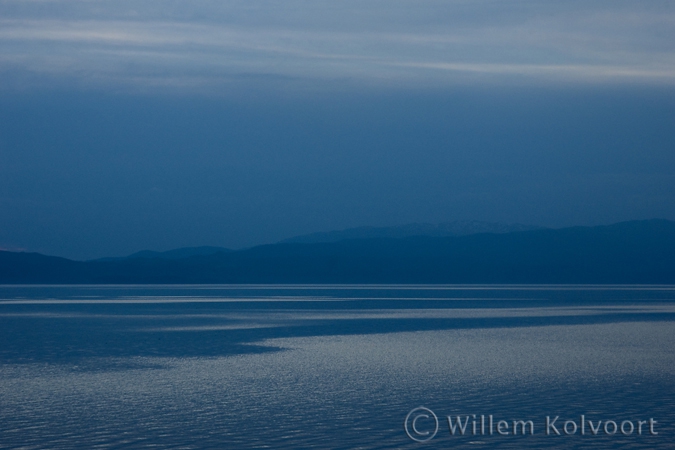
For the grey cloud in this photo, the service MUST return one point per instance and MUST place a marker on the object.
(205, 42)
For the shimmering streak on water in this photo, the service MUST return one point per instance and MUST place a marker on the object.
(346, 383)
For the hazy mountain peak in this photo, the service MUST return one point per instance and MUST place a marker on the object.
(456, 228)
(178, 253)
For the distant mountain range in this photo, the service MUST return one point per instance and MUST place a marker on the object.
(627, 252)
(178, 253)
(457, 228)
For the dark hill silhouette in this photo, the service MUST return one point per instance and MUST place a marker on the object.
(628, 252)
(20, 268)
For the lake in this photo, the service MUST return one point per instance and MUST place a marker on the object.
(339, 367)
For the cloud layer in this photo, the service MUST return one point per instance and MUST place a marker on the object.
(208, 43)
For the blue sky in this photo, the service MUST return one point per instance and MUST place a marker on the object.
(127, 125)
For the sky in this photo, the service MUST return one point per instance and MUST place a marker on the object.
(130, 125)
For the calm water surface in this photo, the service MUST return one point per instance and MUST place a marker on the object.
(339, 367)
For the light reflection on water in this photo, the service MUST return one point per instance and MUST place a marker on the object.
(340, 373)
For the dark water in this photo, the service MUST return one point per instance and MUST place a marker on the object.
(335, 367)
